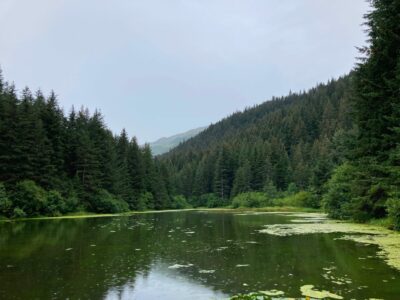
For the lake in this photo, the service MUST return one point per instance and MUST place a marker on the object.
(183, 255)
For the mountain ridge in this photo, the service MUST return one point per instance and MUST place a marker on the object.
(165, 144)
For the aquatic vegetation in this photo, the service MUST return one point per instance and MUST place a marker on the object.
(328, 275)
(251, 296)
(387, 241)
(222, 248)
(206, 271)
(178, 266)
(272, 293)
(309, 291)
(194, 269)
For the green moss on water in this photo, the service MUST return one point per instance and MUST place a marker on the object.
(310, 291)
(388, 241)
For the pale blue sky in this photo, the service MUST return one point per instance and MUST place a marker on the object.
(160, 67)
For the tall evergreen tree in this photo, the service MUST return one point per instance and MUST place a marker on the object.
(223, 178)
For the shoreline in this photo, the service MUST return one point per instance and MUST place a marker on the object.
(84, 215)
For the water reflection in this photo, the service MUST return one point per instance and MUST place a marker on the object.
(163, 283)
(181, 255)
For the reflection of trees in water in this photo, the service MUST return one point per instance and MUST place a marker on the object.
(111, 253)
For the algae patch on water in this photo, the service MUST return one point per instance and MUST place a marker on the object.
(309, 291)
(387, 241)
(206, 271)
(389, 245)
(178, 266)
(272, 293)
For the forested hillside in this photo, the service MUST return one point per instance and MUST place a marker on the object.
(290, 141)
(51, 163)
(335, 146)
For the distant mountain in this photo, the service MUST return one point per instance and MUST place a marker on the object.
(165, 144)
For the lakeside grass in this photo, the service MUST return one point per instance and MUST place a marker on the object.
(83, 214)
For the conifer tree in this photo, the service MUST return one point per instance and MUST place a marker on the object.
(223, 177)
(242, 181)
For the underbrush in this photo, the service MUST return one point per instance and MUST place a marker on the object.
(259, 199)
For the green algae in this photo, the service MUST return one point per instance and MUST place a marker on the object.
(387, 240)
(273, 293)
(309, 291)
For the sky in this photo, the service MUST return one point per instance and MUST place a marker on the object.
(158, 67)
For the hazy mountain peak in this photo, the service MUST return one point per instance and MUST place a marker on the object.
(165, 144)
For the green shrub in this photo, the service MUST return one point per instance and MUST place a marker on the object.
(5, 203)
(300, 199)
(358, 192)
(72, 203)
(179, 202)
(18, 213)
(292, 189)
(251, 199)
(313, 200)
(146, 201)
(205, 200)
(339, 192)
(270, 190)
(55, 204)
(31, 198)
(212, 201)
(104, 202)
(393, 207)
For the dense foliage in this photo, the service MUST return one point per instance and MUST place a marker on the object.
(368, 185)
(288, 143)
(336, 145)
(53, 164)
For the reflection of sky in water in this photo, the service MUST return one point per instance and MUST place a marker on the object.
(144, 257)
(163, 283)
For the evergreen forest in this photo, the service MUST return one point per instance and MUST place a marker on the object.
(334, 147)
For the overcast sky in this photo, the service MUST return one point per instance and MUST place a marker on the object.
(160, 67)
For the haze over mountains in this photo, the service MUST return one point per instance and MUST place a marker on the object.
(165, 144)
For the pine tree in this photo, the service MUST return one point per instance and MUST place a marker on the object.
(136, 171)
(376, 100)
(9, 157)
(370, 177)
(200, 180)
(242, 181)
(123, 184)
(223, 178)
(54, 125)
(258, 171)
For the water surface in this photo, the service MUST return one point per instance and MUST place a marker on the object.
(182, 255)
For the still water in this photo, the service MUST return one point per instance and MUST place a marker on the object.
(182, 255)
